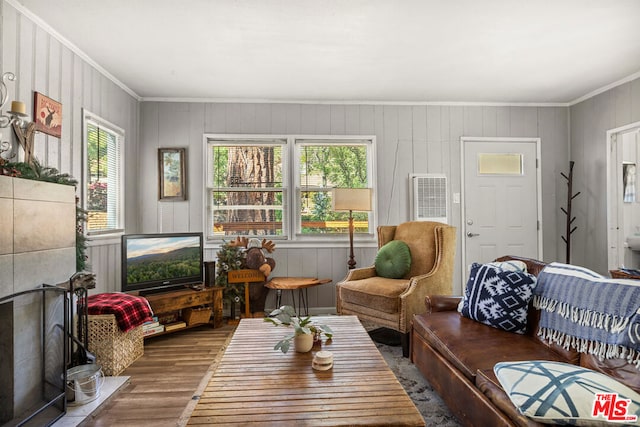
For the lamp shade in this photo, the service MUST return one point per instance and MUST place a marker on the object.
(351, 199)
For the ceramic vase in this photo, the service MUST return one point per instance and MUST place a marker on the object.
(303, 343)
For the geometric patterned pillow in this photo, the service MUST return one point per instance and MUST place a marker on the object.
(498, 298)
(561, 393)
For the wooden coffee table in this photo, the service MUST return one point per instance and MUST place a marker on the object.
(256, 385)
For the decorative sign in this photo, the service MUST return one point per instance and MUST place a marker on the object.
(47, 114)
(244, 276)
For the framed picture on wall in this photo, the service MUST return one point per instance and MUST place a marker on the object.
(47, 114)
(172, 178)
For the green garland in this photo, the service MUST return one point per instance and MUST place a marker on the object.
(81, 240)
(36, 172)
(230, 258)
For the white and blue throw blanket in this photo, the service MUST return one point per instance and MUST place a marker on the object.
(590, 313)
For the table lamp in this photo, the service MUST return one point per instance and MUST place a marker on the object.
(351, 199)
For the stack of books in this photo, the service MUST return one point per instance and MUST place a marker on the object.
(175, 325)
(165, 318)
(151, 328)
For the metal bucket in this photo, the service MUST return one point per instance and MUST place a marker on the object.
(83, 384)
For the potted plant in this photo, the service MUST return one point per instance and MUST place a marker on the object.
(304, 330)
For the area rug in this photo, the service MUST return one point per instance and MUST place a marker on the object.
(432, 408)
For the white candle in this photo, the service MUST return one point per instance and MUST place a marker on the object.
(18, 107)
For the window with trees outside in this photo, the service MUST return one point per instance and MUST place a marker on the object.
(103, 175)
(280, 187)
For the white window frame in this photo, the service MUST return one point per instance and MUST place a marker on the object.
(91, 118)
(291, 185)
(211, 140)
(298, 142)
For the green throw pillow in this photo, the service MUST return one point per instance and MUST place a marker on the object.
(393, 260)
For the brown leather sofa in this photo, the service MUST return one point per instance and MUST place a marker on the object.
(456, 355)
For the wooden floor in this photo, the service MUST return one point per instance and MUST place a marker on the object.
(165, 380)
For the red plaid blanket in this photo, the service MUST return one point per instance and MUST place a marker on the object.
(130, 311)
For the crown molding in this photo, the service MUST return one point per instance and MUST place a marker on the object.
(354, 102)
(75, 49)
(605, 88)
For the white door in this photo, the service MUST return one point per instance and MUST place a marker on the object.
(501, 208)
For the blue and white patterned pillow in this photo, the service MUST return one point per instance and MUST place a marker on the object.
(498, 298)
(560, 393)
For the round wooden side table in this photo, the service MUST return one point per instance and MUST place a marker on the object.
(301, 284)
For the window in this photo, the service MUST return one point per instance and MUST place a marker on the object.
(323, 165)
(500, 164)
(103, 175)
(247, 188)
(280, 187)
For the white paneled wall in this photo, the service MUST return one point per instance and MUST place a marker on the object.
(410, 139)
(590, 121)
(44, 64)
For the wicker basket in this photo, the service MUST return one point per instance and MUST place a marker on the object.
(193, 316)
(115, 350)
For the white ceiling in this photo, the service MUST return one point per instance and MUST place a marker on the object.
(494, 51)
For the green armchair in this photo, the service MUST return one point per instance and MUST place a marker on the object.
(392, 303)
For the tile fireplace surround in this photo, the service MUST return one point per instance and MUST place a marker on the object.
(37, 246)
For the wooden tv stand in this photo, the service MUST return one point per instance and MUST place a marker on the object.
(167, 302)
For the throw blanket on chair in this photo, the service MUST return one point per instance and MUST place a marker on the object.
(583, 310)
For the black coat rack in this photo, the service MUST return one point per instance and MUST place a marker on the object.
(570, 227)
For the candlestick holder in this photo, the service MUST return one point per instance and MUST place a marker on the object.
(18, 109)
(13, 117)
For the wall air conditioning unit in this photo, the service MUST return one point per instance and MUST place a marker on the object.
(429, 198)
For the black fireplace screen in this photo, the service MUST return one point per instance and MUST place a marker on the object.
(34, 353)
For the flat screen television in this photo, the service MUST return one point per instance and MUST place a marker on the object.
(161, 262)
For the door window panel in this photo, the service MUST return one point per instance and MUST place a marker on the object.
(500, 164)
